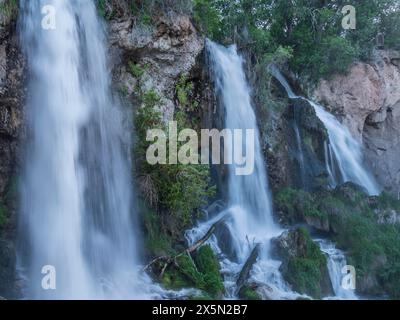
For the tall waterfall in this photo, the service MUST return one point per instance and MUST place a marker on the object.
(343, 154)
(76, 190)
(249, 214)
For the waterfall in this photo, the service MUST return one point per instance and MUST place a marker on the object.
(336, 262)
(249, 214)
(76, 192)
(343, 154)
(343, 160)
(347, 153)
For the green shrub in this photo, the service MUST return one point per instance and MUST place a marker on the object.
(184, 90)
(311, 30)
(371, 247)
(177, 189)
(207, 18)
(297, 204)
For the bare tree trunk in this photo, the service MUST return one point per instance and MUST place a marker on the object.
(245, 272)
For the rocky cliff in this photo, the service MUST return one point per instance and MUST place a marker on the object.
(153, 56)
(11, 127)
(367, 100)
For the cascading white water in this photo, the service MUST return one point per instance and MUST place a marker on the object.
(336, 262)
(249, 214)
(343, 154)
(76, 191)
(343, 158)
(347, 154)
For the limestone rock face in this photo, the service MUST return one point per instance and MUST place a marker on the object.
(164, 50)
(367, 101)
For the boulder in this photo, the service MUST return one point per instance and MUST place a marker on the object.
(304, 266)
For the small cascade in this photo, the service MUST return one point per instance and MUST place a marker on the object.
(343, 154)
(336, 262)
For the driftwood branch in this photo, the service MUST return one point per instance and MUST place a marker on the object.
(201, 241)
(170, 259)
(245, 272)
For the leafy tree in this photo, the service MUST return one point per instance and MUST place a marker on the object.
(310, 29)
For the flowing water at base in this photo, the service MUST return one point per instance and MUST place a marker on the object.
(336, 262)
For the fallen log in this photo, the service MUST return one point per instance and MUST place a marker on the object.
(169, 259)
(245, 272)
(200, 242)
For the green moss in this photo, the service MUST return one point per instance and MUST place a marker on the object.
(9, 9)
(297, 204)
(207, 264)
(136, 70)
(183, 274)
(304, 272)
(248, 293)
(201, 273)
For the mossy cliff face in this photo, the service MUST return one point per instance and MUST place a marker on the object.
(366, 228)
(293, 137)
(306, 136)
(157, 71)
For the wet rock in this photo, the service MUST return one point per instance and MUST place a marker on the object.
(306, 136)
(225, 241)
(304, 266)
(7, 269)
